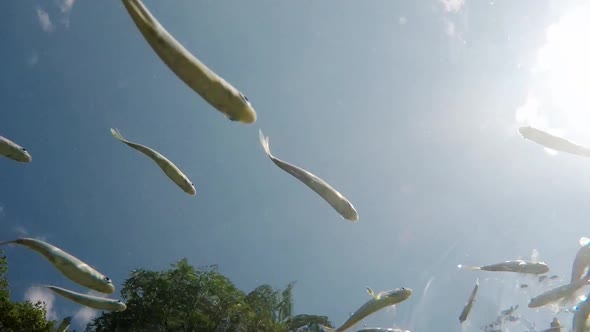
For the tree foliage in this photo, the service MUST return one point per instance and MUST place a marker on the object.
(185, 298)
(19, 316)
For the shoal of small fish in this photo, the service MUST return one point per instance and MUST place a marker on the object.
(232, 103)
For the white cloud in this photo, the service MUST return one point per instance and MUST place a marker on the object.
(44, 20)
(452, 5)
(84, 315)
(36, 293)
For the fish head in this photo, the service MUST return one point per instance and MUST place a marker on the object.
(240, 109)
(348, 211)
(104, 285)
(120, 306)
(395, 295)
(18, 153)
(188, 187)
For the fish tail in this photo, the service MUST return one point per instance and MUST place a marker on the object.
(470, 268)
(264, 142)
(8, 242)
(117, 134)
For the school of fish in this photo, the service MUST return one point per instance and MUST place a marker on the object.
(232, 103)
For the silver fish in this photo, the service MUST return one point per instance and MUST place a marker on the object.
(553, 142)
(469, 304)
(65, 323)
(13, 151)
(518, 266)
(173, 172)
(555, 294)
(333, 197)
(70, 266)
(94, 302)
(582, 310)
(380, 301)
(582, 260)
(215, 90)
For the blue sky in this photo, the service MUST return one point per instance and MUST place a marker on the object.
(409, 108)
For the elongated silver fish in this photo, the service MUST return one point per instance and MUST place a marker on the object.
(581, 263)
(173, 172)
(582, 310)
(13, 151)
(518, 266)
(333, 197)
(210, 86)
(469, 304)
(553, 142)
(380, 301)
(555, 294)
(65, 323)
(70, 266)
(95, 302)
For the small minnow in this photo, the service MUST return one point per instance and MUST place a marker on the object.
(581, 263)
(469, 304)
(173, 172)
(518, 266)
(70, 266)
(541, 278)
(65, 323)
(523, 285)
(333, 197)
(215, 90)
(13, 151)
(509, 311)
(382, 300)
(95, 302)
(553, 142)
(557, 293)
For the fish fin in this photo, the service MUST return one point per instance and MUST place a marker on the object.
(584, 241)
(471, 268)
(117, 134)
(370, 291)
(264, 141)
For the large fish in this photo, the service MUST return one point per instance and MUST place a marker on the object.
(70, 266)
(553, 142)
(168, 167)
(13, 151)
(581, 263)
(380, 301)
(333, 197)
(518, 266)
(210, 86)
(94, 302)
(555, 294)
(469, 304)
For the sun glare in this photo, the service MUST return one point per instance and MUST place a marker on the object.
(560, 95)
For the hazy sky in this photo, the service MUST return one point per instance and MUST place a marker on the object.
(408, 108)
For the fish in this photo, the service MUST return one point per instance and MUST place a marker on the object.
(220, 94)
(541, 278)
(469, 304)
(523, 286)
(70, 266)
(555, 294)
(171, 170)
(333, 197)
(582, 310)
(94, 302)
(581, 263)
(65, 323)
(553, 142)
(509, 311)
(13, 151)
(518, 266)
(382, 300)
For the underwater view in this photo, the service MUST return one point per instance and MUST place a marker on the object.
(294, 166)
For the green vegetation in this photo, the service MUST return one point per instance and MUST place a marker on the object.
(185, 298)
(19, 316)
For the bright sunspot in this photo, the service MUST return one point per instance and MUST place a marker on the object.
(559, 99)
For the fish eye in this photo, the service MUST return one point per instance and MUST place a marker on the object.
(245, 98)
(23, 149)
(107, 279)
